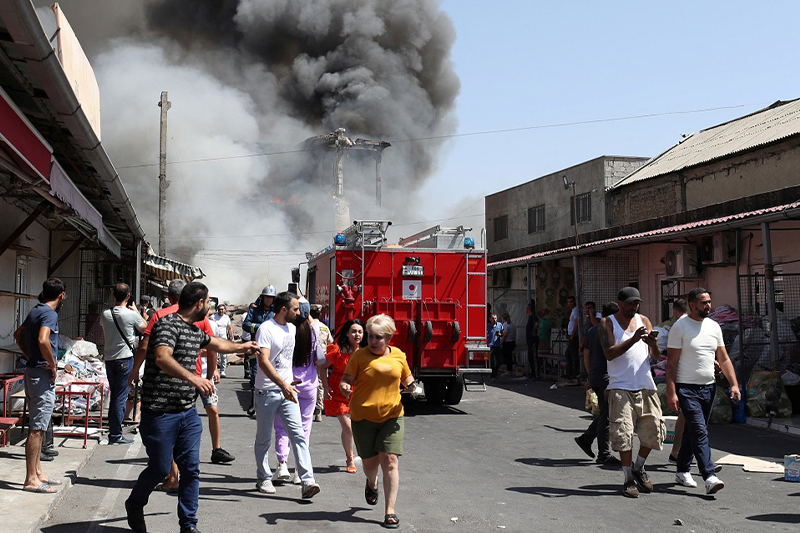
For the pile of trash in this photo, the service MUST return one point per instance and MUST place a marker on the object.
(80, 362)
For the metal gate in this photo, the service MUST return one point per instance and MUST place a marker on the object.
(753, 352)
(602, 276)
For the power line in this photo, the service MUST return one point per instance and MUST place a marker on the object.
(458, 135)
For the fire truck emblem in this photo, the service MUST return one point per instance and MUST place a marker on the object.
(412, 290)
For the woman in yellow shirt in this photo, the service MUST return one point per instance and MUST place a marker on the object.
(374, 375)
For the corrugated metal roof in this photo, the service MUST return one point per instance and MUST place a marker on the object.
(778, 121)
(658, 235)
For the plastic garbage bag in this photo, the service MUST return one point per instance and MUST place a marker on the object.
(759, 385)
(84, 349)
(722, 408)
(790, 378)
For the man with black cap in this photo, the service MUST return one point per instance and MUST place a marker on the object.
(633, 403)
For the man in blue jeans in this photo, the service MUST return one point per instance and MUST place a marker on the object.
(695, 341)
(170, 426)
(120, 324)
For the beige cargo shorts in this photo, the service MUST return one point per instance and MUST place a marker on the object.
(637, 412)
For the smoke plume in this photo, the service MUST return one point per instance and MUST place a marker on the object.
(260, 77)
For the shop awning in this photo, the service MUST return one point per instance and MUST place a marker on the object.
(701, 227)
(23, 143)
(168, 269)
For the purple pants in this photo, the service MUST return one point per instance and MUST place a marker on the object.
(308, 401)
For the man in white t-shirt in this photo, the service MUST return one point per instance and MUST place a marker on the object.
(120, 324)
(222, 324)
(695, 342)
(275, 394)
(633, 403)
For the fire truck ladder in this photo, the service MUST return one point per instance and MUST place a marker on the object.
(477, 362)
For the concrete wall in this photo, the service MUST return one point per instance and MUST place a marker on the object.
(590, 177)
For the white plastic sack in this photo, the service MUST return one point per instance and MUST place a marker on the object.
(790, 378)
(85, 349)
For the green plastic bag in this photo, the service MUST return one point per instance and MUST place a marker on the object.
(761, 382)
(722, 409)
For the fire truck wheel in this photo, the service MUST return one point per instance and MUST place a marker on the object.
(455, 390)
(435, 389)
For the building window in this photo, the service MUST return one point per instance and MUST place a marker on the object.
(501, 228)
(536, 219)
(584, 202)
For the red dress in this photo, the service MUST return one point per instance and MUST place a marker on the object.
(338, 404)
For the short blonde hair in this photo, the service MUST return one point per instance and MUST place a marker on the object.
(382, 325)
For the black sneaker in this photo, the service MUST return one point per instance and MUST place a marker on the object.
(607, 460)
(52, 452)
(585, 446)
(251, 412)
(629, 489)
(45, 457)
(642, 480)
(135, 517)
(121, 440)
(221, 456)
(190, 529)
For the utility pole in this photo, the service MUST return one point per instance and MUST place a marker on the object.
(163, 183)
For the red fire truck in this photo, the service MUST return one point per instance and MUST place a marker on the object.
(433, 284)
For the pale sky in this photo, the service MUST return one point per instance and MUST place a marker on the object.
(532, 63)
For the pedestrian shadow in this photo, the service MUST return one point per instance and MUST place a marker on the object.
(557, 492)
(672, 488)
(8, 485)
(102, 482)
(131, 461)
(109, 525)
(563, 430)
(347, 516)
(783, 518)
(548, 462)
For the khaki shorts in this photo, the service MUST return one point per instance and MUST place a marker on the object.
(372, 438)
(632, 412)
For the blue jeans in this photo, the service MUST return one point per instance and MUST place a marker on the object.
(268, 404)
(118, 372)
(167, 436)
(695, 402)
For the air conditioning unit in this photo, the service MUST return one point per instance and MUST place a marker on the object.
(681, 262)
(717, 249)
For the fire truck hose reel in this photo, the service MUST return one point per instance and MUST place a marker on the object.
(412, 331)
(428, 330)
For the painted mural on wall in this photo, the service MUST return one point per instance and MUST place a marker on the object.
(553, 285)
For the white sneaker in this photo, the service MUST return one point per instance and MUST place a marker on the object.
(685, 479)
(223, 375)
(296, 479)
(714, 484)
(309, 489)
(283, 474)
(265, 487)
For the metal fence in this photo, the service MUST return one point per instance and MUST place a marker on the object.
(753, 351)
(603, 275)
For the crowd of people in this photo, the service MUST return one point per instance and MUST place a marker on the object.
(175, 354)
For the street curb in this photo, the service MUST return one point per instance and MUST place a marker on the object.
(777, 426)
(60, 495)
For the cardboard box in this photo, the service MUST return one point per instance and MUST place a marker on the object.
(791, 467)
(670, 422)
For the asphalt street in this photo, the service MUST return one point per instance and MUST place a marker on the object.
(502, 460)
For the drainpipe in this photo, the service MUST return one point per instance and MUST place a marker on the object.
(769, 276)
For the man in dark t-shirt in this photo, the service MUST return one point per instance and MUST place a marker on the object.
(597, 367)
(170, 424)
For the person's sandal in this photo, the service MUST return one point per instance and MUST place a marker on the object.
(351, 464)
(390, 521)
(370, 494)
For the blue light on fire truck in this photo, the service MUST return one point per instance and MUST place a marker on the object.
(469, 242)
(339, 239)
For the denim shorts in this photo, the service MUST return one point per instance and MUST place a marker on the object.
(41, 393)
